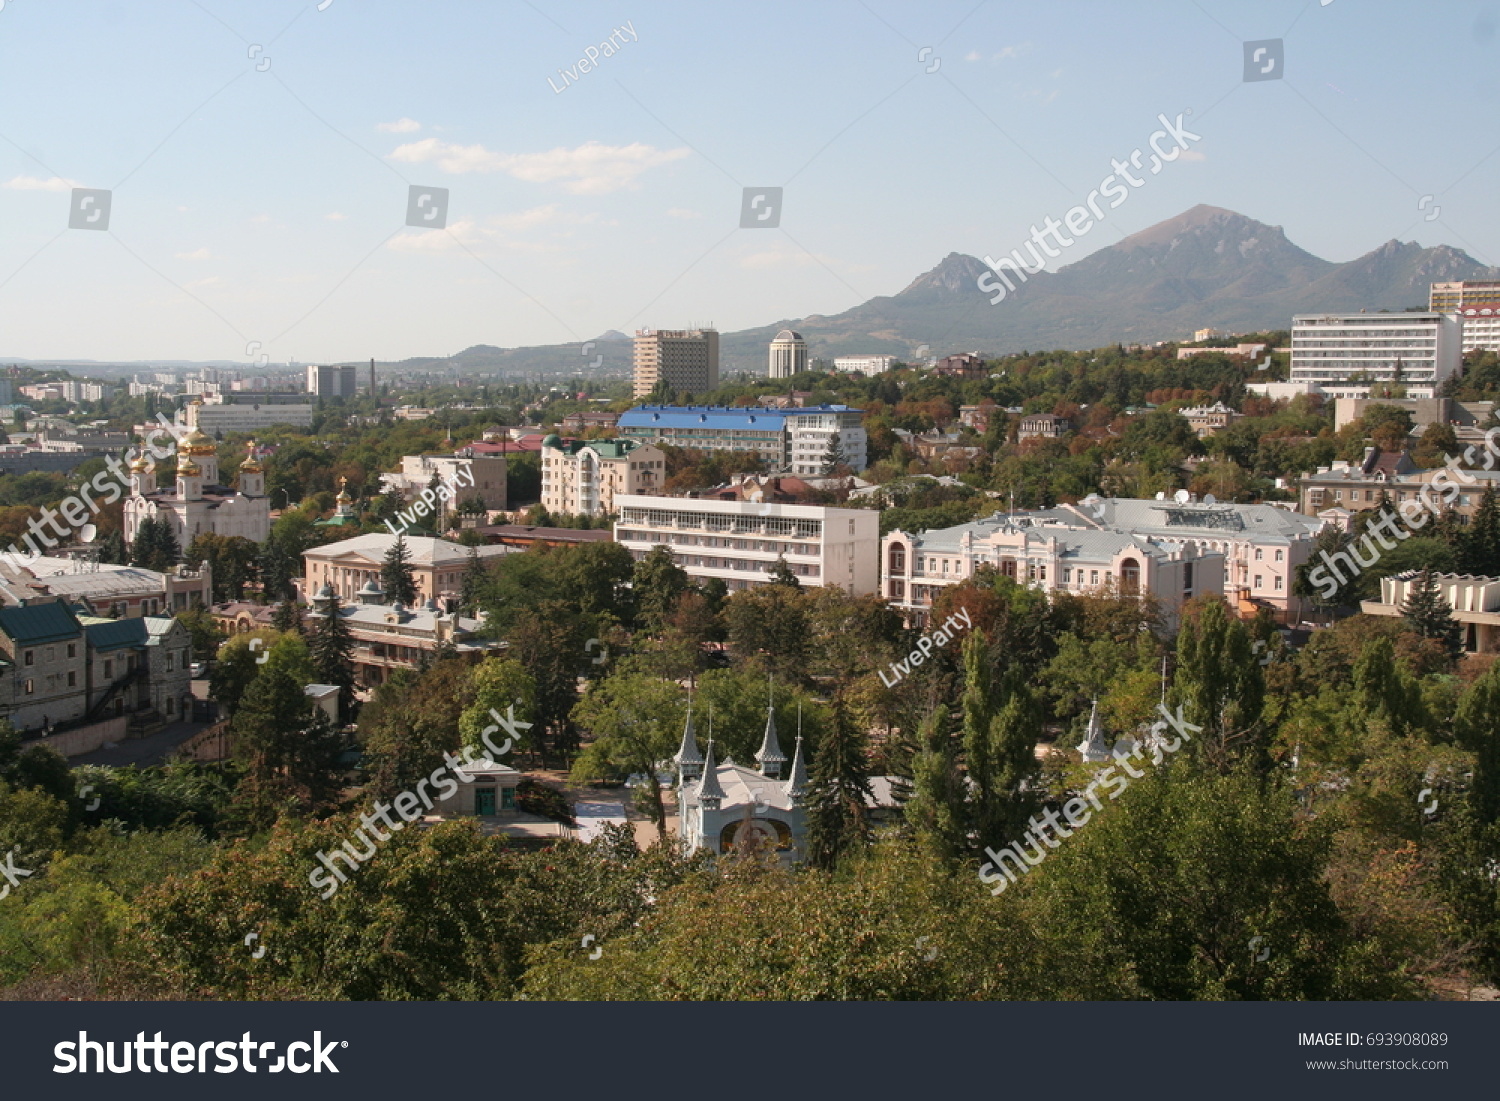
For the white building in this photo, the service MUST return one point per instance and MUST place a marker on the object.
(1481, 328)
(1475, 602)
(482, 476)
(217, 419)
(583, 477)
(200, 504)
(791, 441)
(864, 365)
(741, 542)
(1343, 355)
(1050, 557)
(788, 354)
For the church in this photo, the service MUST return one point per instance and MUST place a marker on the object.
(199, 503)
(727, 807)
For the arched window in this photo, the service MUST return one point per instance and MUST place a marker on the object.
(1130, 577)
(897, 563)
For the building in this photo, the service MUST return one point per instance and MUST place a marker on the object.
(1344, 355)
(1262, 546)
(978, 417)
(583, 477)
(684, 359)
(797, 441)
(351, 564)
(139, 665)
(219, 419)
(1464, 417)
(864, 365)
(788, 354)
(44, 671)
(523, 536)
(388, 637)
(1051, 557)
(332, 382)
(1244, 350)
(474, 475)
(1043, 426)
(725, 808)
(200, 504)
(579, 422)
(1453, 297)
(962, 365)
(1347, 488)
(120, 591)
(741, 542)
(1481, 329)
(1475, 602)
(1206, 420)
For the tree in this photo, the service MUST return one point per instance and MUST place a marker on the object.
(1432, 616)
(637, 723)
(770, 623)
(472, 584)
(396, 575)
(288, 616)
(657, 584)
(277, 568)
(833, 457)
(112, 547)
(838, 793)
(1219, 687)
(936, 811)
(1480, 542)
(206, 636)
(330, 643)
(1477, 725)
(155, 546)
(781, 574)
(289, 760)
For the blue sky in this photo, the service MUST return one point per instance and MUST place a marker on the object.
(267, 203)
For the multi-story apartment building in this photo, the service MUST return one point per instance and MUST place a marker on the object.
(1336, 492)
(472, 474)
(1054, 558)
(1344, 355)
(794, 440)
(218, 419)
(1452, 297)
(864, 365)
(685, 359)
(332, 382)
(740, 542)
(583, 477)
(788, 354)
(1481, 328)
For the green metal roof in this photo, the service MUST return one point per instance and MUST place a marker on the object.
(115, 634)
(37, 623)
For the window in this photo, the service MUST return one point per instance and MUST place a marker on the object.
(171, 661)
(1187, 577)
(30, 657)
(29, 687)
(1259, 582)
(1259, 554)
(1280, 555)
(72, 649)
(109, 670)
(72, 680)
(1278, 584)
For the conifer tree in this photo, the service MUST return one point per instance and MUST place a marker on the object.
(330, 643)
(1220, 687)
(288, 616)
(838, 792)
(1477, 725)
(936, 812)
(1479, 551)
(396, 576)
(1432, 616)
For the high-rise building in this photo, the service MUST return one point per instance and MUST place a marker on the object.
(1344, 355)
(1477, 305)
(685, 359)
(332, 382)
(797, 441)
(788, 354)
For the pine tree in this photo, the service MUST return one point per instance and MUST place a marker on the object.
(936, 811)
(1013, 737)
(1432, 616)
(473, 582)
(288, 617)
(276, 569)
(155, 546)
(1477, 725)
(330, 643)
(1479, 551)
(1221, 688)
(396, 576)
(112, 548)
(781, 574)
(978, 711)
(838, 793)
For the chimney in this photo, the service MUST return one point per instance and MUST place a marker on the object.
(372, 376)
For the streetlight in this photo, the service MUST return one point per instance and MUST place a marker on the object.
(287, 502)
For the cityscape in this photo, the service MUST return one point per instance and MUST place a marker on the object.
(1108, 612)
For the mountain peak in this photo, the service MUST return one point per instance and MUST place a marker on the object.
(957, 272)
(1201, 217)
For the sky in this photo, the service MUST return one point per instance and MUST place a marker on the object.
(260, 154)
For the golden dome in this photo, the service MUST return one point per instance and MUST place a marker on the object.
(188, 467)
(196, 443)
(343, 497)
(251, 465)
(141, 465)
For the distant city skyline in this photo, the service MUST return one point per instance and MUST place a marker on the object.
(263, 161)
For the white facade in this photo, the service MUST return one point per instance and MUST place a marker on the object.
(809, 435)
(1053, 558)
(218, 419)
(864, 365)
(1344, 354)
(199, 504)
(583, 477)
(740, 542)
(1481, 328)
(482, 476)
(788, 354)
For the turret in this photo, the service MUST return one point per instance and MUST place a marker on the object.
(142, 475)
(189, 479)
(252, 474)
(205, 453)
(689, 760)
(710, 793)
(769, 756)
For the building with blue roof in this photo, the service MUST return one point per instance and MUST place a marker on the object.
(791, 441)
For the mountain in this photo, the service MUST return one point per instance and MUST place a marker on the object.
(1205, 268)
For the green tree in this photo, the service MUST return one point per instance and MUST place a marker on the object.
(781, 574)
(657, 584)
(1480, 545)
(155, 546)
(838, 793)
(1220, 688)
(1431, 615)
(396, 575)
(330, 643)
(636, 721)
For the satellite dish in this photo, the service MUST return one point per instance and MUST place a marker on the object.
(88, 533)
(1210, 499)
(1182, 496)
(1161, 495)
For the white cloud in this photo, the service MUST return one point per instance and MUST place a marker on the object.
(35, 183)
(196, 254)
(1013, 51)
(335, 216)
(683, 212)
(591, 169)
(972, 55)
(400, 126)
